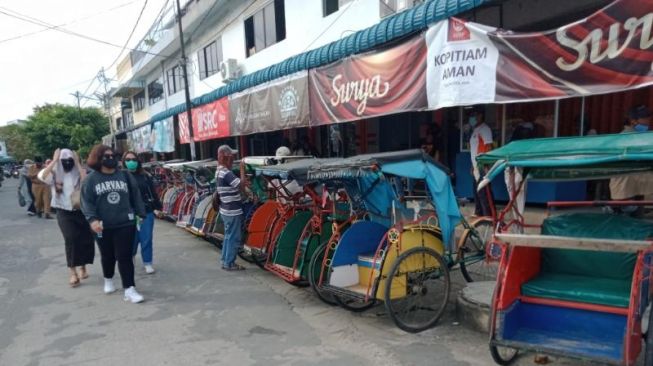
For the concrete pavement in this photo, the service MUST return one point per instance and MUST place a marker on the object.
(194, 314)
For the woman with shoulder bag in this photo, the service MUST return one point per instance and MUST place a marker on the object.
(64, 175)
(152, 203)
(111, 201)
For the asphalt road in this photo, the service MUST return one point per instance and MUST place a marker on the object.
(194, 313)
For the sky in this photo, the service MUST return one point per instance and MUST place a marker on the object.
(49, 66)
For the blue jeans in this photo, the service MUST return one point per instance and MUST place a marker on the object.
(232, 239)
(144, 237)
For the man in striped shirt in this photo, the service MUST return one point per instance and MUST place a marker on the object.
(229, 188)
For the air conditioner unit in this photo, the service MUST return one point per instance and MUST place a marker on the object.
(229, 70)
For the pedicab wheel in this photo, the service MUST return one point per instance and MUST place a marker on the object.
(648, 352)
(503, 355)
(474, 265)
(314, 269)
(417, 289)
(245, 256)
(300, 283)
(354, 305)
(260, 259)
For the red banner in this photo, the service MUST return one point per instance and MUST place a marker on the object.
(210, 121)
(373, 84)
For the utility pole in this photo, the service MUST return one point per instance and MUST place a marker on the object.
(107, 104)
(186, 89)
(78, 96)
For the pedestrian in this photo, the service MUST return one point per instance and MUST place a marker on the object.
(152, 203)
(40, 190)
(64, 176)
(25, 187)
(480, 142)
(111, 201)
(230, 188)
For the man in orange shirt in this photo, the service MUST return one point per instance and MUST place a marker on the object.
(480, 142)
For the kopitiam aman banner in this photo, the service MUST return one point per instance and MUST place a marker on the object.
(163, 136)
(210, 121)
(608, 52)
(372, 84)
(276, 105)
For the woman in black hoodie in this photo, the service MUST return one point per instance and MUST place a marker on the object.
(111, 201)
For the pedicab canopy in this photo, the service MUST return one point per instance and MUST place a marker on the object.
(370, 178)
(572, 158)
(295, 170)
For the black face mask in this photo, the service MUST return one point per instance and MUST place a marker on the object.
(68, 165)
(109, 163)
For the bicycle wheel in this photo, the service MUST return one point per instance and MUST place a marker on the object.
(474, 265)
(314, 269)
(503, 355)
(354, 305)
(423, 274)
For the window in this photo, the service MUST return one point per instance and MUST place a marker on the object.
(209, 59)
(331, 6)
(175, 80)
(139, 101)
(389, 7)
(265, 28)
(154, 91)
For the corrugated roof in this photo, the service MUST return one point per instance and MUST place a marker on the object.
(391, 28)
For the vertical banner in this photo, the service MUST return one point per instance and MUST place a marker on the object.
(184, 133)
(163, 136)
(373, 84)
(277, 105)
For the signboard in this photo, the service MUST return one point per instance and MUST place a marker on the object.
(163, 136)
(184, 133)
(608, 52)
(140, 138)
(373, 84)
(210, 121)
(277, 105)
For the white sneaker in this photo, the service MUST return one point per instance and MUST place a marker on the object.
(108, 286)
(132, 296)
(149, 269)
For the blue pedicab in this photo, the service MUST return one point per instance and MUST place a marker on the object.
(388, 252)
(581, 287)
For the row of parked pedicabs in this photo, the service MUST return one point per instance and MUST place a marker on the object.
(580, 288)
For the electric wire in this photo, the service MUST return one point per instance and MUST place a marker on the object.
(131, 34)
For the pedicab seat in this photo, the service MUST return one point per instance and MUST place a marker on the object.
(594, 277)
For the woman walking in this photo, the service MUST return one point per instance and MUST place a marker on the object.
(110, 201)
(40, 191)
(152, 206)
(64, 175)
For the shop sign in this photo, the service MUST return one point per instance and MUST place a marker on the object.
(373, 84)
(210, 121)
(163, 136)
(277, 105)
(608, 52)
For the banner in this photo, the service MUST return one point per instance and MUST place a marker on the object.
(184, 133)
(608, 52)
(277, 105)
(140, 138)
(373, 84)
(163, 136)
(210, 121)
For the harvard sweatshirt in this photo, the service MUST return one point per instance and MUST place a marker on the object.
(113, 199)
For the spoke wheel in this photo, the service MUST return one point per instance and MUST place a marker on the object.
(474, 265)
(424, 275)
(314, 269)
(354, 305)
(260, 258)
(503, 355)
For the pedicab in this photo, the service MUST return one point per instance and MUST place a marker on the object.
(580, 287)
(389, 252)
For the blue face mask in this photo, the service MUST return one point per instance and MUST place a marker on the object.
(473, 121)
(641, 128)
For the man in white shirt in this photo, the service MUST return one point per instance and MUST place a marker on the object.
(480, 142)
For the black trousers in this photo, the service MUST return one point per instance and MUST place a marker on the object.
(116, 244)
(482, 200)
(80, 249)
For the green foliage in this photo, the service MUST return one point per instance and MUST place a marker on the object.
(54, 126)
(18, 144)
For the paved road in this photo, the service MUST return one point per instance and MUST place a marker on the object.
(195, 313)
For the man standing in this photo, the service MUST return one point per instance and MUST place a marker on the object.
(480, 142)
(229, 188)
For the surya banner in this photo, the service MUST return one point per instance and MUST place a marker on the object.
(210, 121)
(373, 84)
(277, 105)
(163, 136)
(608, 52)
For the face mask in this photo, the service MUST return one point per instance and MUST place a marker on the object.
(68, 165)
(109, 163)
(131, 165)
(641, 128)
(472, 121)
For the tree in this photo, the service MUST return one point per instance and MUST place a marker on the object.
(18, 144)
(53, 126)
